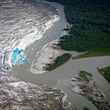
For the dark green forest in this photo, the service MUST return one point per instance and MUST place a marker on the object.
(105, 72)
(90, 20)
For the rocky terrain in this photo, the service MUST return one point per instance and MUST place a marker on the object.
(84, 84)
(19, 95)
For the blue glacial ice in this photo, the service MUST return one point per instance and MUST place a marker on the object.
(11, 57)
(18, 57)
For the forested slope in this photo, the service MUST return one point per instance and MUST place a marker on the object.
(90, 21)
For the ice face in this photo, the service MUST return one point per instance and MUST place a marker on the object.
(23, 22)
(18, 56)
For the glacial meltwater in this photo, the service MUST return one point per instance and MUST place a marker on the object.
(25, 27)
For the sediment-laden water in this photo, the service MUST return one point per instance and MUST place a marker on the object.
(29, 25)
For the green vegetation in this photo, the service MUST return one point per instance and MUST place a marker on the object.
(86, 108)
(85, 76)
(85, 41)
(90, 30)
(105, 72)
(59, 61)
(90, 27)
(94, 52)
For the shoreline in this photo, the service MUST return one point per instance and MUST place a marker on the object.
(47, 55)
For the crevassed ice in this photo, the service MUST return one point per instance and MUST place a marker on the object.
(23, 22)
(37, 33)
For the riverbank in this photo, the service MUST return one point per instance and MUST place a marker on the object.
(84, 84)
(89, 29)
(46, 56)
(105, 71)
(94, 53)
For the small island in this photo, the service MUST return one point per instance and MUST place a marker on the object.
(84, 84)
